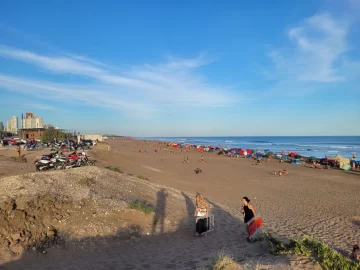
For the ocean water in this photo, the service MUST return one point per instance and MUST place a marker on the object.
(318, 146)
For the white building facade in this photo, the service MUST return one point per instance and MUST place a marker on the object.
(33, 122)
(12, 125)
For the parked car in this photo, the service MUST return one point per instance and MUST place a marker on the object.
(13, 142)
(4, 142)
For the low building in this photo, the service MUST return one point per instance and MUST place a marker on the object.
(31, 133)
(48, 126)
(92, 137)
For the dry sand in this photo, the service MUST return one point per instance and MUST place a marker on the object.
(322, 203)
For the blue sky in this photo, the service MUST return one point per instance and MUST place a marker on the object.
(183, 68)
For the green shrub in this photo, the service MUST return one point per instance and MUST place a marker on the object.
(141, 206)
(322, 253)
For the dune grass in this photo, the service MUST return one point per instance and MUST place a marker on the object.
(114, 169)
(322, 254)
(222, 261)
(86, 181)
(142, 177)
(141, 206)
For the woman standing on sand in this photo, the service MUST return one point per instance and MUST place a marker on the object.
(247, 210)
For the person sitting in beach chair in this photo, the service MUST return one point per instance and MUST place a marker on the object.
(203, 221)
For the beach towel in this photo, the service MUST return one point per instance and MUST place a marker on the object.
(254, 226)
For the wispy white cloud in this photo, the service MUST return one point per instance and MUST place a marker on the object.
(140, 88)
(319, 44)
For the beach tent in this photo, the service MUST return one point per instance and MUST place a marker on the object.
(291, 154)
(342, 161)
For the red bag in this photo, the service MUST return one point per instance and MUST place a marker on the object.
(254, 226)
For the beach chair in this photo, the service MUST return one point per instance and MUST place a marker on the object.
(296, 161)
(204, 225)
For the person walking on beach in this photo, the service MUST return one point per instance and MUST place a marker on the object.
(248, 211)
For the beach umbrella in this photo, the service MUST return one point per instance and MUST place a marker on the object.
(248, 150)
(291, 154)
(241, 152)
(283, 153)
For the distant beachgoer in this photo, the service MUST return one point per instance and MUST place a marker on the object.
(202, 159)
(248, 210)
(285, 172)
(355, 254)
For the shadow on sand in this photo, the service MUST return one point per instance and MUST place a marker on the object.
(160, 212)
(179, 249)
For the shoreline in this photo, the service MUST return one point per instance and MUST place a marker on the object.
(201, 148)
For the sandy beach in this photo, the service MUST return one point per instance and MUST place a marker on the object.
(320, 203)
